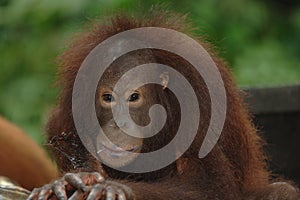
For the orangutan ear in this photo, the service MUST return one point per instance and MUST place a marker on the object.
(164, 79)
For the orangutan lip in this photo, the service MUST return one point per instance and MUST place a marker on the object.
(117, 151)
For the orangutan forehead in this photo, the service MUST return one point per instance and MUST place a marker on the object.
(127, 62)
(132, 59)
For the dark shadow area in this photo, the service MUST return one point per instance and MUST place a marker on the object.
(277, 116)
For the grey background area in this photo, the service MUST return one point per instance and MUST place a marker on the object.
(277, 116)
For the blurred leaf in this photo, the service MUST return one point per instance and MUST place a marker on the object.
(266, 64)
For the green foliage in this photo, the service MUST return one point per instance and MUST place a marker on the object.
(259, 39)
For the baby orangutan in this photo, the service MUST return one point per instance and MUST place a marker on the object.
(234, 169)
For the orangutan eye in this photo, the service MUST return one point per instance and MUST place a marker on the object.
(134, 97)
(108, 98)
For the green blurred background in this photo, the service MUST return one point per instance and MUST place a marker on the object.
(260, 39)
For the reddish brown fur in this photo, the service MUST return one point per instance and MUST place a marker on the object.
(235, 167)
(20, 156)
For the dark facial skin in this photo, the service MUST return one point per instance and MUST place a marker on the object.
(139, 102)
(106, 101)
